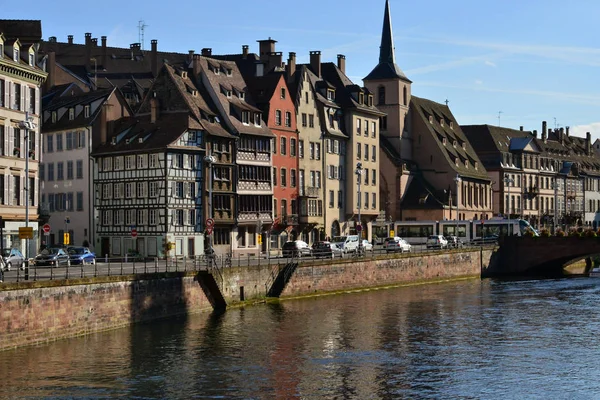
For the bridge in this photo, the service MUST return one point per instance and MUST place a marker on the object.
(540, 256)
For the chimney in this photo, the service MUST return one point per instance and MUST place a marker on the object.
(544, 136)
(191, 55)
(88, 50)
(153, 109)
(275, 60)
(561, 135)
(196, 64)
(535, 133)
(342, 62)
(95, 42)
(245, 49)
(266, 47)
(154, 57)
(52, 39)
(103, 123)
(51, 68)
(70, 39)
(588, 143)
(544, 127)
(207, 52)
(315, 62)
(291, 67)
(521, 128)
(103, 39)
(567, 131)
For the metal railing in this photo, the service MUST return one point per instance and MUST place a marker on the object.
(126, 266)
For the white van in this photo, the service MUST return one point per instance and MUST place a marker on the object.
(348, 244)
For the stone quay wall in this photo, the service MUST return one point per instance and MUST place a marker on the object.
(43, 311)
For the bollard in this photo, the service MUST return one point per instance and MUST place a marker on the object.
(67, 270)
(106, 258)
(108, 268)
(155, 265)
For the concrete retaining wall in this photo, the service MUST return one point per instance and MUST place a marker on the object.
(37, 312)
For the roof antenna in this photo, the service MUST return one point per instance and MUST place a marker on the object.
(141, 27)
(499, 115)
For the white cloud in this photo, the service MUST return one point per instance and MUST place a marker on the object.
(478, 82)
(449, 64)
(489, 63)
(580, 130)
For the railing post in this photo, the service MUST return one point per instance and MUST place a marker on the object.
(155, 264)
(95, 268)
(184, 264)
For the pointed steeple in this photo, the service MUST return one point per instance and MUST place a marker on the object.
(386, 50)
(387, 68)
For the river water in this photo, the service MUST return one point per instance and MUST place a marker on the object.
(535, 339)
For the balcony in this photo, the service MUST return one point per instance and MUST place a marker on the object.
(223, 216)
(290, 219)
(222, 186)
(309, 191)
(246, 217)
(311, 219)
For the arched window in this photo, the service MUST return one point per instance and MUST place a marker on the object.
(405, 96)
(381, 95)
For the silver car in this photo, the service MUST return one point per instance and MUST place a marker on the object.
(12, 258)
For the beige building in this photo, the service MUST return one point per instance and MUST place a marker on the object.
(20, 150)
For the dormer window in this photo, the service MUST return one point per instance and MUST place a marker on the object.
(228, 70)
(242, 95)
(361, 98)
(53, 117)
(466, 163)
(370, 100)
(216, 70)
(228, 93)
(456, 161)
(330, 94)
(431, 119)
(476, 165)
(246, 117)
(464, 145)
(16, 54)
(283, 93)
(1, 46)
(184, 74)
(86, 111)
(451, 125)
(444, 141)
(31, 59)
(442, 122)
(257, 119)
(454, 143)
(71, 114)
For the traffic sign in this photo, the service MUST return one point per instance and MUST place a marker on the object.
(210, 222)
(392, 233)
(26, 232)
(259, 238)
(66, 238)
(358, 228)
(46, 228)
(133, 232)
(209, 230)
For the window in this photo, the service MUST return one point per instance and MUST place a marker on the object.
(53, 117)
(373, 129)
(283, 177)
(374, 199)
(304, 119)
(86, 111)
(340, 199)
(51, 172)
(246, 117)
(152, 216)
(257, 119)
(274, 176)
(331, 198)
(317, 151)
(306, 97)
(312, 151)
(277, 117)
(288, 119)
(283, 145)
(311, 121)
(293, 178)
(16, 54)
(318, 179)
(142, 160)
(179, 189)
(79, 169)
(366, 176)
(70, 137)
(141, 189)
(358, 126)
(69, 170)
(60, 171)
(59, 142)
(71, 114)
(17, 97)
(373, 177)
(79, 201)
(330, 95)
(381, 95)
(153, 189)
(358, 151)
(128, 190)
(274, 145)
(292, 147)
(32, 103)
(366, 200)
(366, 152)
(153, 160)
(301, 148)
(283, 93)
(2, 83)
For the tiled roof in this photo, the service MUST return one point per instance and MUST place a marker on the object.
(76, 102)
(451, 131)
(235, 79)
(28, 31)
(420, 194)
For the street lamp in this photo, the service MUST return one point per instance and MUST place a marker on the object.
(457, 180)
(508, 181)
(555, 187)
(27, 125)
(358, 171)
(210, 160)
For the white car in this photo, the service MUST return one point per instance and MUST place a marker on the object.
(366, 245)
(437, 242)
(397, 244)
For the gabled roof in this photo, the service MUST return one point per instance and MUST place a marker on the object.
(451, 131)
(420, 194)
(527, 143)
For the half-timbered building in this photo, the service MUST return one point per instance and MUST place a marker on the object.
(228, 91)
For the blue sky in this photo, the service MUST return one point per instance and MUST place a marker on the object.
(531, 60)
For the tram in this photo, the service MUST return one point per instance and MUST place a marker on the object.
(417, 232)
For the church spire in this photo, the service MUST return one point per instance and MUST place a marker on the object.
(387, 68)
(386, 50)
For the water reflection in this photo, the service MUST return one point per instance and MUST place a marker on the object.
(490, 339)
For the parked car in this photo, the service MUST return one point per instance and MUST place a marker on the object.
(397, 244)
(52, 256)
(12, 258)
(437, 242)
(348, 244)
(296, 248)
(81, 255)
(326, 249)
(454, 241)
(366, 245)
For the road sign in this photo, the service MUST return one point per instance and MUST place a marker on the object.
(26, 232)
(392, 233)
(46, 228)
(358, 228)
(210, 222)
(209, 230)
(133, 232)
(259, 238)
(66, 238)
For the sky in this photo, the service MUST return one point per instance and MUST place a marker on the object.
(511, 63)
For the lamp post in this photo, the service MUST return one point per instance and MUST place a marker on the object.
(210, 160)
(508, 181)
(27, 125)
(555, 187)
(457, 180)
(358, 171)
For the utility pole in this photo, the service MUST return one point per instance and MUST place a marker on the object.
(499, 114)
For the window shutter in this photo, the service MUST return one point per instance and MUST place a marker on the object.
(23, 194)
(7, 95)
(36, 192)
(186, 218)
(11, 141)
(7, 189)
(7, 149)
(22, 106)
